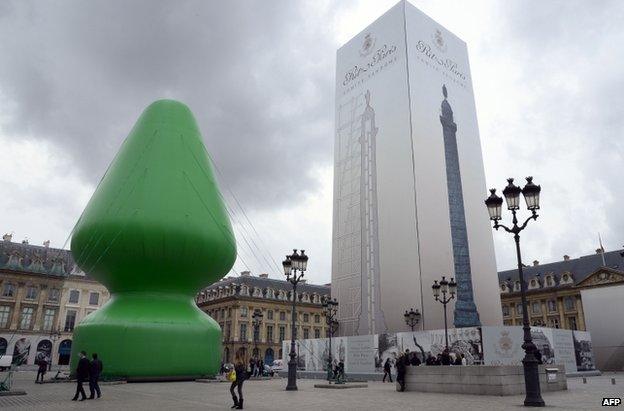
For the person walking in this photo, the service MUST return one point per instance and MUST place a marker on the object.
(400, 366)
(241, 374)
(387, 370)
(82, 375)
(43, 367)
(95, 369)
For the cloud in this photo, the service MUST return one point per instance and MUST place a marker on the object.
(259, 77)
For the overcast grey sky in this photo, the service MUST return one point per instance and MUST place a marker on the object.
(259, 77)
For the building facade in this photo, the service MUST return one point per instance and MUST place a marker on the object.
(573, 294)
(232, 302)
(43, 295)
(409, 181)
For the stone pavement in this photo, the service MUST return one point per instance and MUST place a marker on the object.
(270, 395)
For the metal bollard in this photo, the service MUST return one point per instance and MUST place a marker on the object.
(612, 381)
(584, 380)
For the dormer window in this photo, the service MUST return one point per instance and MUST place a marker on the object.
(549, 281)
(517, 286)
(503, 287)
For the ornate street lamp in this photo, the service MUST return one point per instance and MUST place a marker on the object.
(256, 321)
(412, 318)
(296, 262)
(531, 193)
(446, 288)
(330, 310)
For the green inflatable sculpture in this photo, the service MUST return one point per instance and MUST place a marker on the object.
(154, 233)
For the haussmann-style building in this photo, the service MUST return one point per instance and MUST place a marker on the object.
(585, 294)
(233, 300)
(43, 295)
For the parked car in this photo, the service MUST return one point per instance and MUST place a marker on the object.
(277, 366)
(5, 362)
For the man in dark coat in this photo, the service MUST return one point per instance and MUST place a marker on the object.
(445, 358)
(387, 370)
(95, 369)
(43, 367)
(415, 361)
(82, 375)
(400, 366)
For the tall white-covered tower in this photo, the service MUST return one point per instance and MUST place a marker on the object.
(408, 179)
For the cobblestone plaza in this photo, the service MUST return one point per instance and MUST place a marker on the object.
(270, 395)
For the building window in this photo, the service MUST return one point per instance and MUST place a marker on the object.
(74, 296)
(26, 319)
(31, 292)
(70, 320)
(243, 332)
(317, 319)
(306, 317)
(552, 306)
(553, 322)
(270, 315)
(5, 312)
(8, 290)
(572, 323)
(229, 313)
(517, 286)
(222, 313)
(317, 333)
(533, 283)
(519, 309)
(282, 316)
(48, 319)
(244, 311)
(306, 333)
(94, 298)
(549, 281)
(536, 307)
(505, 310)
(228, 328)
(269, 333)
(282, 331)
(53, 295)
(568, 303)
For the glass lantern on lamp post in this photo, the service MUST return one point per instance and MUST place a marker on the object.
(531, 193)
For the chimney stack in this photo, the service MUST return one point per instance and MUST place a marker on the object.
(535, 263)
(598, 250)
(566, 257)
(264, 275)
(245, 273)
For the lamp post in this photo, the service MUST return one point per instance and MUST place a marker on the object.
(494, 204)
(330, 309)
(293, 263)
(412, 318)
(55, 335)
(445, 287)
(256, 321)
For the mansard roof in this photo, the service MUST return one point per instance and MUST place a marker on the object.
(29, 258)
(579, 268)
(265, 282)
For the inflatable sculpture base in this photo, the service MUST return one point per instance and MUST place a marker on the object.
(154, 233)
(152, 336)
